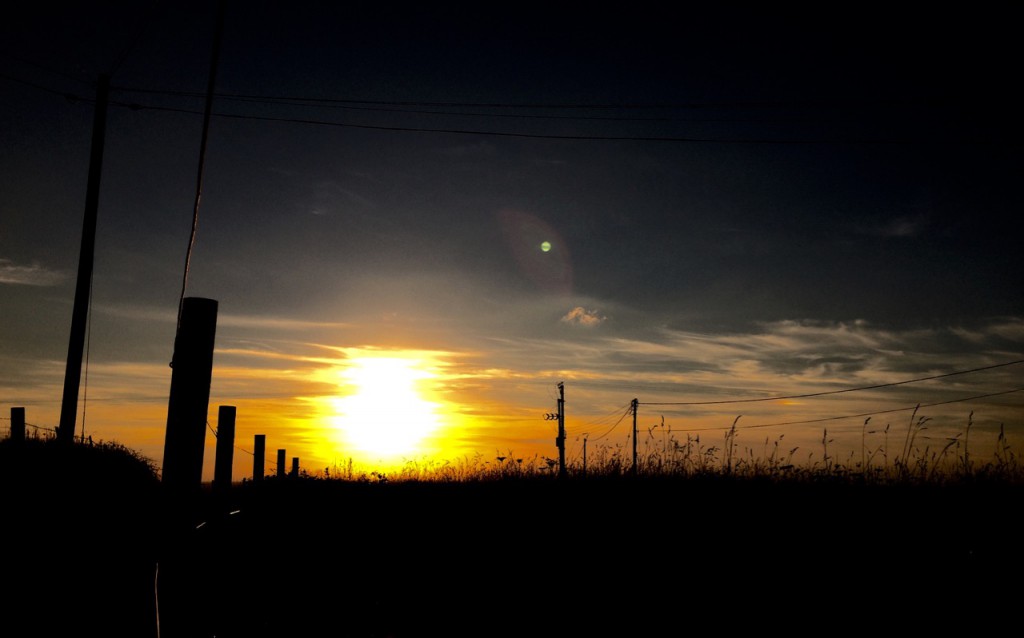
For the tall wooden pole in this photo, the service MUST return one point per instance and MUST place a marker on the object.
(561, 429)
(584, 456)
(190, 393)
(635, 403)
(80, 311)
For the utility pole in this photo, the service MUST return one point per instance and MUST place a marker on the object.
(561, 430)
(584, 455)
(80, 311)
(635, 403)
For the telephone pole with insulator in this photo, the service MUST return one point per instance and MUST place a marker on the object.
(561, 430)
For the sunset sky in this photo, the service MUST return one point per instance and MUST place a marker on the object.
(416, 223)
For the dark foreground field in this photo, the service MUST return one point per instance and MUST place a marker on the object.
(93, 554)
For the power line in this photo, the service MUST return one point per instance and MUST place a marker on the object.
(853, 416)
(599, 138)
(601, 421)
(610, 138)
(218, 34)
(628, 409)
(819, 394)
(416, 108)
(147, 20)
(817, 104)
(41, 67)
(70, 97)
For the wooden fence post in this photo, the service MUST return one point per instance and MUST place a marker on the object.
(18, 424)
(258, 456)
(280, 463)
(225, 447)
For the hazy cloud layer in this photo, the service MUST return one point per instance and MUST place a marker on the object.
(32, 275)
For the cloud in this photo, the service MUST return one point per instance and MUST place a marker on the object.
(479, 149)
(902, 227)
(34, 275)
(580, 316)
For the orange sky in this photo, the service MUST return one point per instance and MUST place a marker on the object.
(386, 408)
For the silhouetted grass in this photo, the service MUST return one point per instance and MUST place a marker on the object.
(669, 455)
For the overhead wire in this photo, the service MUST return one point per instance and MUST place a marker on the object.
(852, 416)
(41, 67)
(598, 421)
(147, 20)
(614, 425)
(546, 136)
(829, 392)
(551, 105)
(515, 134)
(211, 82)
(416, 108)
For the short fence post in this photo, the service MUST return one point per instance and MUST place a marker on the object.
(18, 424)
(258, 456)
(225, 447)
(280, 463)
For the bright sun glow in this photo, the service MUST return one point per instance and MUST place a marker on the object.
(383, 414)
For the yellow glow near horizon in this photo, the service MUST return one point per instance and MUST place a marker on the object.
(384, 413)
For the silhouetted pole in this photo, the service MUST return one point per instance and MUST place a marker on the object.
(259, 454)
(635, 403)
(561, 429)
(584, 456)
(295, 467)
(18, 424)
(225, 447)
(190, 393)
(80, 311)
(280, 463)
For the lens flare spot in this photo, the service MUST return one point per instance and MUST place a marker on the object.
(551, 267)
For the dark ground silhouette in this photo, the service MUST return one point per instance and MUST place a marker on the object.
(88, 554)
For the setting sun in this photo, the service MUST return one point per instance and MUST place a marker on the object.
(383, 412)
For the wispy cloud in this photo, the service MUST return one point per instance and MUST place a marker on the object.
(33, 275)
(276, 323)
(902, 226)
(580, 316)
(479, 149)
